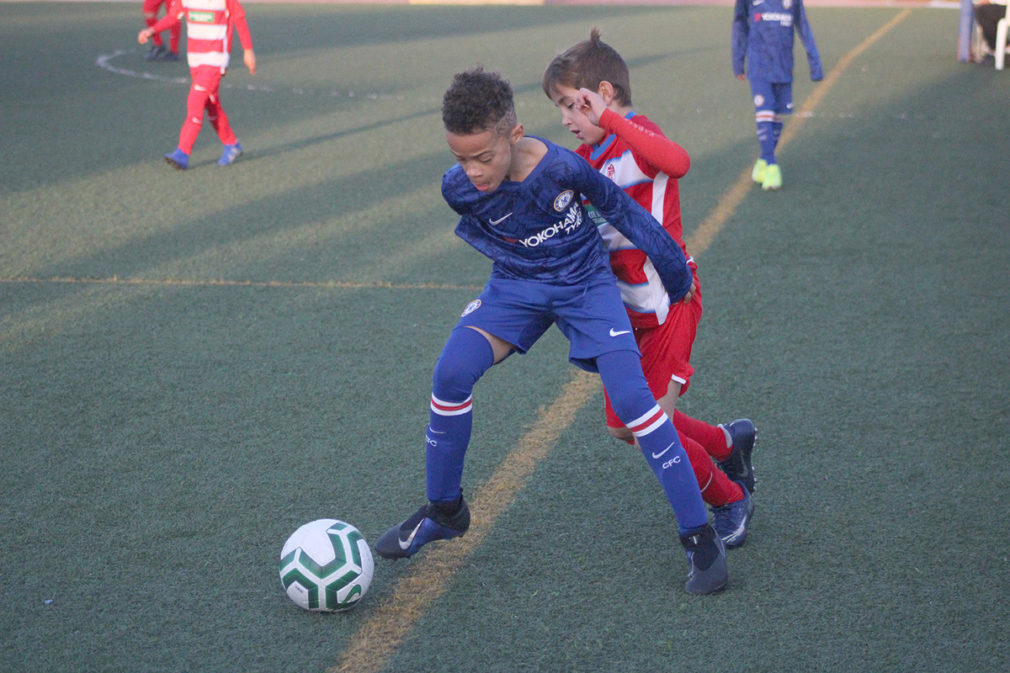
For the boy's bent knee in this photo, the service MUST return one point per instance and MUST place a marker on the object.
(464, 359)
(621, 434)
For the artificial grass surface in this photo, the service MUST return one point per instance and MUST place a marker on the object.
(258, 353)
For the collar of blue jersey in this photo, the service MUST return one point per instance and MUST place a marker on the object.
(597, 150)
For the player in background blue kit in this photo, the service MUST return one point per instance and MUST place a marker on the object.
(763, 37)
(519, 203)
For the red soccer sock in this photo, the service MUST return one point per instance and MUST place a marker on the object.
(711, 437)
(219, 120)
(173, 37)
(716, 488)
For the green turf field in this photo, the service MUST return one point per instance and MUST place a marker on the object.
(194, 364)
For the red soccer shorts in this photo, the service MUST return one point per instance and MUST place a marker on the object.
(666, 352)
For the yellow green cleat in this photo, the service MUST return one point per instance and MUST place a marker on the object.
(772, 178)
(758, 174)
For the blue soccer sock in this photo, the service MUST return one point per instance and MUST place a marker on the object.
(766, 137)
(465, 357)
(634, 404)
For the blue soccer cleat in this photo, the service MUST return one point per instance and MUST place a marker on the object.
(738, 466)
(231, 153)
(177, 159)
(429, 523)
(706, 560)
(731, 520)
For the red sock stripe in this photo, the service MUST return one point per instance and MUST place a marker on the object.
(648, 422)
(443, 408)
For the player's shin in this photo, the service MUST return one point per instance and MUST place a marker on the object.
(637, 408)
(464, 359)
(766, 135)
(668, 460)
(446, 440)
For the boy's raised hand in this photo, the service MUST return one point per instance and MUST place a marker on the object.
(592, 104)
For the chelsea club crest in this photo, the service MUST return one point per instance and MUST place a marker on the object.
(563, 200)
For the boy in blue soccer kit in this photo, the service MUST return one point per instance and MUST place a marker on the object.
(519, 203)
(763, 36)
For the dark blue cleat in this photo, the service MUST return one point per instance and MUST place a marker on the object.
(731, 520)
(427, 524)
(738, 466)
(706, 560)
(155, 52)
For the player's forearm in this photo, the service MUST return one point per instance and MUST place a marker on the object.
(659, 151)
(237, 12)
(165, 22)
(244, 36)
(629, 218)
(173, 15)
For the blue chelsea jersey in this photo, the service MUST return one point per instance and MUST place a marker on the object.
(539, 230)
(763, 36)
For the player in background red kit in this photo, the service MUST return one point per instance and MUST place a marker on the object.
(158, 49)
(591, 86)
(209, 28)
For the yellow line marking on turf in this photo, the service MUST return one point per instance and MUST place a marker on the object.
(390, 622)
(378, 637)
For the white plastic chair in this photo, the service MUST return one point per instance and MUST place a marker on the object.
(1002, 26)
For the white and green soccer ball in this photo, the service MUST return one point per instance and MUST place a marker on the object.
(326, 566)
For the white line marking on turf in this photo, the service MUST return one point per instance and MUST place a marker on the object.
(104, 61)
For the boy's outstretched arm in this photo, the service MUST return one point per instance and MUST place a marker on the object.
(173, 15)
(641, 228)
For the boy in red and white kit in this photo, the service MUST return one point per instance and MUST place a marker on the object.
(591, 86)
(209, 27)
(158, 49)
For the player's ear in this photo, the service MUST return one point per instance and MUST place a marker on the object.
(516, 133)
(606, 91)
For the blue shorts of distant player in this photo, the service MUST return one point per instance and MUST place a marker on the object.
(774, 96)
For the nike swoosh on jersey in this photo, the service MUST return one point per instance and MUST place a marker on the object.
(495, 223)
(615, 333)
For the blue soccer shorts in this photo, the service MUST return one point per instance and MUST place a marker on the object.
(774, 96)
(591, 315)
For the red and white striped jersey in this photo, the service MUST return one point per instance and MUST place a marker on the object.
(209, 26)
(645, 164)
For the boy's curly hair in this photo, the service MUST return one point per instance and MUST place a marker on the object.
(478, 101)
(586, 64)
